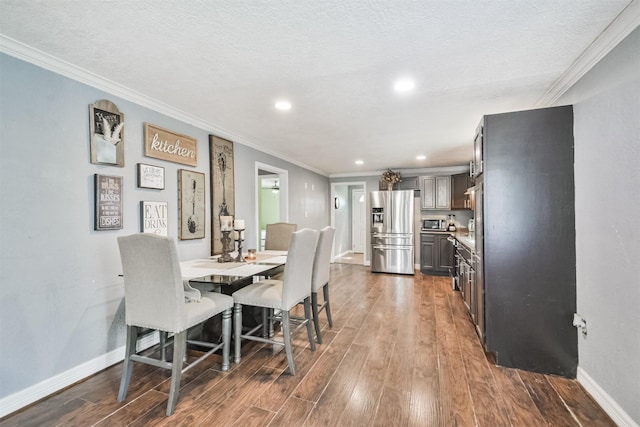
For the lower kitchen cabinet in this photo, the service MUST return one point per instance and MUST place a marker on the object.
(436, 254)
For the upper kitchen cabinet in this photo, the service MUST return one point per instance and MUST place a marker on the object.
(477, 165)
(460, 183)
(407, 183)
(435, 192)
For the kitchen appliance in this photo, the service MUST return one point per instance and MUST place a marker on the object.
(392, 248)
(472, 226)
(434, 224)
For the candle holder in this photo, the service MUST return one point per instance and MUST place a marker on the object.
(226, 243)
(240, 258)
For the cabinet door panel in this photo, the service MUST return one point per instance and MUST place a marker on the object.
(428, 192)
(443, 192)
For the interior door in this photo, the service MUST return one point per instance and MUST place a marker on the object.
(358, 206)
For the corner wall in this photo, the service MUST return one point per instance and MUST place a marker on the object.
(607, 178)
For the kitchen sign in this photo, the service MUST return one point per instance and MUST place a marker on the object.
(166, 145)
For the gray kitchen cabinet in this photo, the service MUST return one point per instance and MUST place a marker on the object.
(436, 254)
(477, 165)
(407, 183)
(435, 192)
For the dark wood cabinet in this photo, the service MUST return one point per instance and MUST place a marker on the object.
(436, 254)
(528, 255)
(459, 185)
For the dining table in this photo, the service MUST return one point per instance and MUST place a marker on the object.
(207, 274)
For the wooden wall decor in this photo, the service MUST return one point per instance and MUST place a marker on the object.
(191, 205)
(171, 146)
(222, 186)
(107, 133)
(108, 202)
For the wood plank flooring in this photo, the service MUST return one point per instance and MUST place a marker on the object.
(402, 352)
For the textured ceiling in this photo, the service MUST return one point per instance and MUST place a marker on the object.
(225, 63)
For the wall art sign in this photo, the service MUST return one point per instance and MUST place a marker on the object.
(107, 133)
(154, 217)
(191, 205)
(166, 145)
(108, 202)
(222, 186)
(150, 176)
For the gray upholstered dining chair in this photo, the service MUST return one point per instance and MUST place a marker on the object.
(282, 295)
(154, 298)
(320, 278)
(278, 236)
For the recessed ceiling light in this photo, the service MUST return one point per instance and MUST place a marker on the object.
(283, 105)
(404, 85)
(421, 157)
(359, 162)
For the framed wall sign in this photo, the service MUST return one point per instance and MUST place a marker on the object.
(107, 133)
(222, 186)
(191, 205)
(171, 146)
(153, 217)
(108, 202)
(150, 176)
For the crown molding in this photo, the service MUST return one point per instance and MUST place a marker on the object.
(407, 172)
(627, 21)
(44, 60)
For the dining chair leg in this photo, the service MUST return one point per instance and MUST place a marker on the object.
(237, 331)
(316, 315)
(179, 351)
(327, 307)
(265, 322)
(132, 339)
(163, 345)
(308, 320)
(286, 331)
(226, 338)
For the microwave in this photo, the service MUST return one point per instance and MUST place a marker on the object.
(434, 224)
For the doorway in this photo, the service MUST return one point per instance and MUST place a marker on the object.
(272, 198)
(348, 216)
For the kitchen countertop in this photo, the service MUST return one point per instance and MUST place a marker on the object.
(466, 239)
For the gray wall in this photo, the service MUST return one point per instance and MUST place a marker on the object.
(61, 300)
(607, 176)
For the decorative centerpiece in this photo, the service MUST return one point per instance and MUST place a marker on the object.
(391, 177)
(238, 226)
(226, 228)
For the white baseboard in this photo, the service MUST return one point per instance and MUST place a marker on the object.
(617, 414)
(19, 400)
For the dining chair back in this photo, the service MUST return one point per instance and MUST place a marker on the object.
(298, 270)
(155, 299)
(320, 278)
(281, 295)
(278, 236)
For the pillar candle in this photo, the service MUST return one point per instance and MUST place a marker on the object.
(238, 224)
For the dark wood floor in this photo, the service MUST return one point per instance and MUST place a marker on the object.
(402, 352)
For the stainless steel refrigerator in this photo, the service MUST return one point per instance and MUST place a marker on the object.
(392, 232)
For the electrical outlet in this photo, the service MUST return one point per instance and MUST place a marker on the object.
(580, 323)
